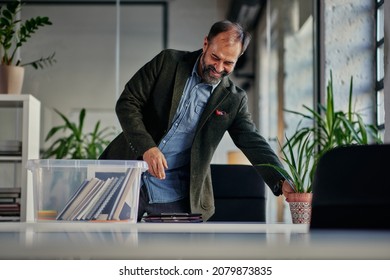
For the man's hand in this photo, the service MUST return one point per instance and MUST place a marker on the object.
(156, 162)
(287, 189)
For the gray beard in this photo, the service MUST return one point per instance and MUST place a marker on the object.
(209, 79)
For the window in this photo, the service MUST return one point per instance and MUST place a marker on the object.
(380, 42)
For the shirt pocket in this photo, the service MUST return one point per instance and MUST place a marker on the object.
(199, 109)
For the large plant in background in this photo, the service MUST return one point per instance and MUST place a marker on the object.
(329, 129)
(73, 143)
(332, 128)
(14, 34)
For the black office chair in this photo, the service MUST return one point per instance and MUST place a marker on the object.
(239, 193)
(351, 189)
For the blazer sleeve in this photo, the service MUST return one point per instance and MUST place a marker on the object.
(131, 103)
(258, 151)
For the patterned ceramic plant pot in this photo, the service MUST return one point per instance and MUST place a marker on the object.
(300, 207)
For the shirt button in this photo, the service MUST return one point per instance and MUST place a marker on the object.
(164, 141)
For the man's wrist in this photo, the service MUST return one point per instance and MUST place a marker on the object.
(280, 183)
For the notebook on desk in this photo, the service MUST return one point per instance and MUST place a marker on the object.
(173, 218)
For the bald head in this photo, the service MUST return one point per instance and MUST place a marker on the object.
(233, 33)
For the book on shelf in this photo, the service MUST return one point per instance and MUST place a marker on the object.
(11, 218)
(105, 198)
(8, 200)
(10, 204)
(10, 192)
(10, 147)
(10, 209)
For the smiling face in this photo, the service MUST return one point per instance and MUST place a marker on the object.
(219, 57)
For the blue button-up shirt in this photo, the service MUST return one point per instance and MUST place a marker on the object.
(176, 144)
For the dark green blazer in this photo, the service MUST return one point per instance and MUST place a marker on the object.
(148, 103)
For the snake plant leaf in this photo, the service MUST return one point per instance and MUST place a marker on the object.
(329, 129)
(330, 104)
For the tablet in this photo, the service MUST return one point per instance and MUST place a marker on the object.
(173, 218)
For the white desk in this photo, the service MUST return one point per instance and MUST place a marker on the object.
(187, 241)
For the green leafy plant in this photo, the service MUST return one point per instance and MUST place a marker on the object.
(74, 143)
(299, 161)
(14, 33)
(334, 128)
(302, 151)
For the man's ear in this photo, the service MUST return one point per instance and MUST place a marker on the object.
(205, 43)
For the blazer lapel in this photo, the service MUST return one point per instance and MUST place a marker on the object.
(216, 98)
(183, 71)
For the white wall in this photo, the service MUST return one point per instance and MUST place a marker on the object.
(348, 50)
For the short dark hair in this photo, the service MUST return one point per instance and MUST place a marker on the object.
(222, 26)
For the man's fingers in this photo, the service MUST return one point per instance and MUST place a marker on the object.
(156, 169)
(156, 161)
(160, 171)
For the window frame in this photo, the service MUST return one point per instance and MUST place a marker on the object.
(379, 65)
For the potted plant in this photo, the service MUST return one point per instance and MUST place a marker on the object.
(13, 35)
(303, 149)
(299, 174)
(334, 128)
(74, 143)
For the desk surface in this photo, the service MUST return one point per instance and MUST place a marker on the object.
(187, 241)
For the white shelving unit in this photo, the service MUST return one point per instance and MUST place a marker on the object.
(20, 121)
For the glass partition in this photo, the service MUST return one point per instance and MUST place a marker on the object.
(98, 46)
(285, 74)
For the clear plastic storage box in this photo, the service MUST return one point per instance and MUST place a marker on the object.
(86, 190)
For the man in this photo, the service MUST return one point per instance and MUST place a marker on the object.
(175, 110)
